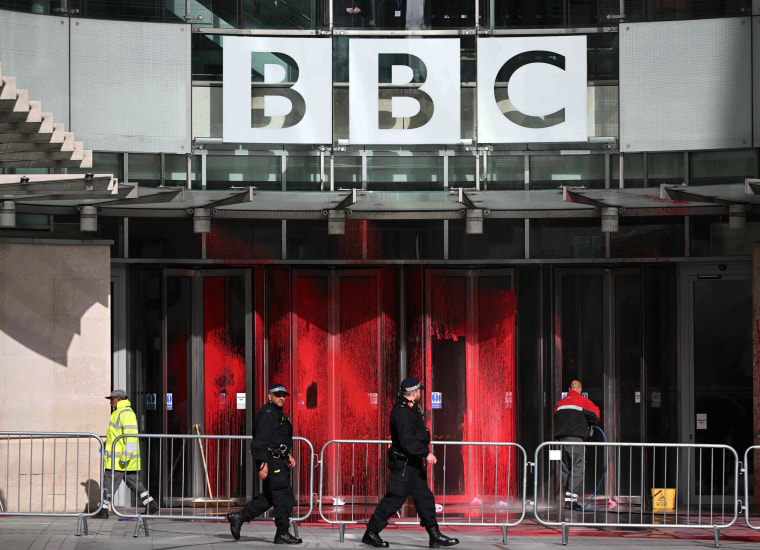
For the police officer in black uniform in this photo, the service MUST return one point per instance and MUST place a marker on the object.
(271, 448)
(407, 458)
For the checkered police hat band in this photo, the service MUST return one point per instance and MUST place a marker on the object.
(277, 389)
(412, 388)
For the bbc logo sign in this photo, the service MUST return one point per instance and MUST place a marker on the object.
(529, 90)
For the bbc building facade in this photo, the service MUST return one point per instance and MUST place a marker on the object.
(494, 197)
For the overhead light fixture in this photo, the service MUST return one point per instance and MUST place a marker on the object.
(336, 222)
(473, 224)
(201, 220)
(610, 219)
(88, 218)
(737, 216)
(7, 214)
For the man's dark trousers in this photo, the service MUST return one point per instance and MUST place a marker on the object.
(281, 498)
(572, 465)
(405, 481)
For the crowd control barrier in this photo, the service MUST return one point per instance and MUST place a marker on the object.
(630, 485)
(204, 477)
(51, 474)
(751, 457)
(474, 483)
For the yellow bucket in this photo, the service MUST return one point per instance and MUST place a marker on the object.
(663, 499)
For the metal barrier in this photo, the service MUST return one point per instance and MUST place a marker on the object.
(640, 485)
(475, 483)
(204, 477)
(51, 474)
(749, 467)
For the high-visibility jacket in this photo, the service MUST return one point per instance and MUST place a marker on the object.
(126, 453)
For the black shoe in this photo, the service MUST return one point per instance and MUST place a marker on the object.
(371, 538)
(236, 522)
(438, 539)
(152, 507)
(103, 514)
(284, 537)
(574, 507)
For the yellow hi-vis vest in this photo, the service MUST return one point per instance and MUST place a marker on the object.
(127, 450)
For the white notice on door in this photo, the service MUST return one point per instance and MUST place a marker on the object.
(241, 401)
(701, 421)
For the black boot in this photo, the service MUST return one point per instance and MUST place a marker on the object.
(437, 539)
(371, 538)
(236, 522)
(283, 536)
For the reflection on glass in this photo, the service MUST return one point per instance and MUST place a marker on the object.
(224, 172)
(405, 173)
(716, 167)
(633, 170)
(144, 169)
(648, 238)
(555, 171)
(352, 14)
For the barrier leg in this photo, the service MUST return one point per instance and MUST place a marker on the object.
(82, 525)
(565, 533)
(716, 532)
(144, 522)
(295, 528)
(504, 534)
(341, 532)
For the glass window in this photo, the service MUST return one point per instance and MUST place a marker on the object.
(224, 172)
(552, 172)
(693, 9)
(524, 13)
(450, 13)
(244, 239)
(573, 238)
(133, 10)
(305, 173)
(347, 172)
(506, 172)
(711, 236)
(167, 238)
(175, 171)
(602, 57)
(386, 173)
(103, 163)
(502, 239)
(648, 238)
(112, 229)
(462, 171)
(715, 167)
(273, 14)
(353, 14)
(144, 169)
(665, 168)
(633, 170)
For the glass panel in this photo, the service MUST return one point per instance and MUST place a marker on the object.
(224, 172)
(403, 14)
(112, 229)
(404, 173)
(304, 173)
(353, 14)
(552, 172)
(132, 10)
(581, 238)
(275, 14)
(582, 12)
(506, 173)
(633, 169)
(722, 371)
(580, 346)
(450, 13)
(206, 57)
(462, 171)
(347, 172)
(175, 171)
(715, 167)
(649, 238)
(693, 9)
(403, 240)
(155, 238)
(103, 163)
(524, 13)
(711, 236)
(144, 169)
(665, 168)
(502, 238)
(224, 375)
(244, 240)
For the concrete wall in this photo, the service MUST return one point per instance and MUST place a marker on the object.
(55, 368)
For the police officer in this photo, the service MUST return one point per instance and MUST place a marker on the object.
(407, 458)
(573, 418)
(271, 448)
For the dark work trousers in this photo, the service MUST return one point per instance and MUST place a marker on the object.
(403, 482)
(572, 467)
(277, 492)
(132, 479)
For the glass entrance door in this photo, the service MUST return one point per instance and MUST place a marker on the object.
(207, 361)
(718, 366)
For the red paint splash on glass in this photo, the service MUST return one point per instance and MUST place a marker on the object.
(224, 378)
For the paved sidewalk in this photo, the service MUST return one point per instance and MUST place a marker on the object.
(40, 533)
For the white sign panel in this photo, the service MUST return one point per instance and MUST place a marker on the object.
(532, 89)
(277, 90)
(404, 91)
(240, 401)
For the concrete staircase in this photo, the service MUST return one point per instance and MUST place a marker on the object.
(29, 138)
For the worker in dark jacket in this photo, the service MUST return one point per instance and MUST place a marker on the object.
(271, 449)
(573, 418)
(407, 458)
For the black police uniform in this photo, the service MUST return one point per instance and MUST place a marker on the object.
(272, 441)
(409, 447)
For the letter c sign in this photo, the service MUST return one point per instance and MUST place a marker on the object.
(532, 89)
